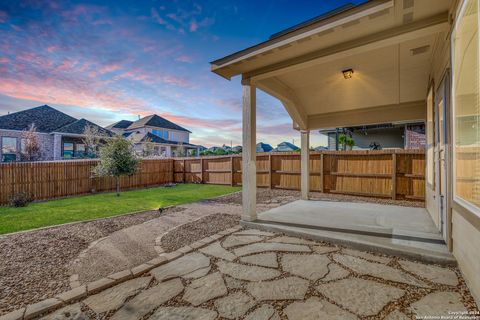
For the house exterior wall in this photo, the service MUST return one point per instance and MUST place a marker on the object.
(415, 137)
(386, 138)
(45, 141)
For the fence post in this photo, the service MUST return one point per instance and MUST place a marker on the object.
(321, 172)
(394, 175)
(231, 171)
(270, 171)
(201, 170)
(183, 170)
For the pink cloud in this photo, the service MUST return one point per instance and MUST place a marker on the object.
(109, 68)
(193, 26)
(3, 16)
(180, 82)
(184, 58)
(4, 60)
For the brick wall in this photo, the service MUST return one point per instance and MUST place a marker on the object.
(415, 137)
(44, 139)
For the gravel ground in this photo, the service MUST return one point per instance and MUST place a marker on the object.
(33, 266)
(37, 264)
(193, 231)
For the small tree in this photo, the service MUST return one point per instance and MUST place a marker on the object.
(92, 139)
(181, 151)
(31, 146)
(117, 158)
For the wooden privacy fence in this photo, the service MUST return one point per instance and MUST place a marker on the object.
(55, 179)
(397, 174)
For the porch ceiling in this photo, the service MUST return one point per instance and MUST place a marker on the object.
(388, 44)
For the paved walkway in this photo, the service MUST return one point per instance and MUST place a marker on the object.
(252, 274)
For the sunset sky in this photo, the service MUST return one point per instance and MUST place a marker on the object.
(112, 60)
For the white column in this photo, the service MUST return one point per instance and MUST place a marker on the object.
(168, 151)
(249, 170)
(305, 164)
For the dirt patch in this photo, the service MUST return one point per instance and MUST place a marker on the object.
(196, 230)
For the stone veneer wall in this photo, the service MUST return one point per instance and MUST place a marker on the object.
(45, 140)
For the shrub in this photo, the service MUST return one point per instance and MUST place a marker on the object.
(20, 199)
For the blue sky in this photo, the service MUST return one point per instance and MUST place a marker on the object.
(112, 60)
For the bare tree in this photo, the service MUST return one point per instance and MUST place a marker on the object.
(92, 139)
(181, 150)
(30, 144)
(148, 148)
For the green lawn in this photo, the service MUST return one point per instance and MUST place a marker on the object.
(49, 213)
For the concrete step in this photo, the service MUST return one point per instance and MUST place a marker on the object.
(431, 252)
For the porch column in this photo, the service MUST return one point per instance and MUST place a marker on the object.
(305, 164)
(57, 147)
(249, 170)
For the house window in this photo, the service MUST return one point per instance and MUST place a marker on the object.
(466, 107)
(79, 150)
(9, 149)
(161, 133)
(67, 150)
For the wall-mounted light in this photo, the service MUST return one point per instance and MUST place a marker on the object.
(347, 74)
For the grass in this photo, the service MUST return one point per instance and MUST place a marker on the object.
(103, 205)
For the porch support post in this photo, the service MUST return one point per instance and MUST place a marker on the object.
(249, 170)
(305, 164)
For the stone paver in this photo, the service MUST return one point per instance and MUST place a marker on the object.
(72, 312)
(244, 272)
(234, 305)
(438, 304)
(314, 309)
(311, 267)
(233, 283)
(292, 240)
(183, 313)
(362, 297)
(335, 272)
(204, 289)
(324, 249)
(216, 250)
(282, 289)
(264, 247)
(148, 300)
(256, 275)
(181, 266)
(113, 298)
(397, 315)
(366, 255)
(264, 312)
(254, 232)
(430, 272)
(268, 259)
(377, 270)
(238, 240)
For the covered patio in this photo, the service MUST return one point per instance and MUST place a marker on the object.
(362, 65)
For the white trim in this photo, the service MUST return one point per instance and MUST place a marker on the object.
(464, 203)
(355, 16)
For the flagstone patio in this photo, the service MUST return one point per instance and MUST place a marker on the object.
(251, 274)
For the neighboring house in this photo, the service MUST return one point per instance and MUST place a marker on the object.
(286, 147)
(60, 136)
(155, 136)
(382, 61)
(237, 149)
(404, 136)
(263, 147)
(321, 148)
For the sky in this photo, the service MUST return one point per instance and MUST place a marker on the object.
(111, 60)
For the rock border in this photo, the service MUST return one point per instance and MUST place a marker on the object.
(81, 291)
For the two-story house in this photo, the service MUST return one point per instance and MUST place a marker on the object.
(155, 136)
(58, 135)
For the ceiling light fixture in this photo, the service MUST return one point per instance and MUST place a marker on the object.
(347, 74)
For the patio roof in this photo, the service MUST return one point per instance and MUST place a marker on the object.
(388, 44)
